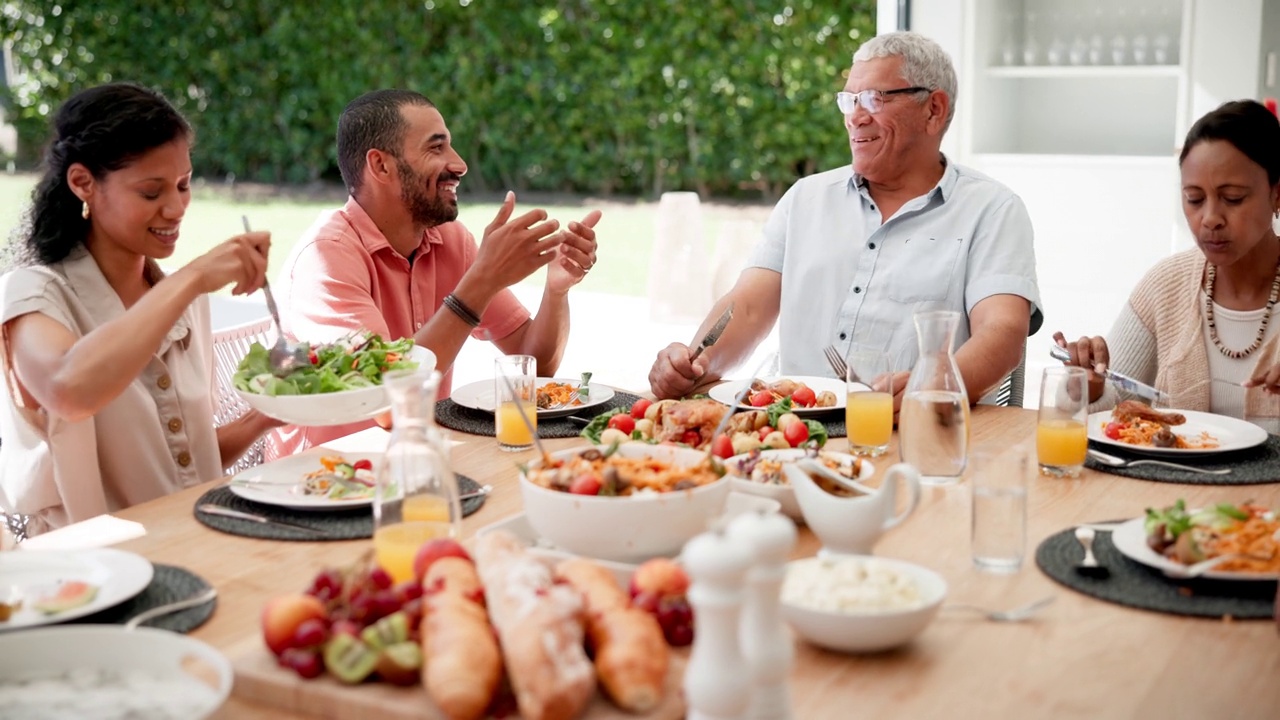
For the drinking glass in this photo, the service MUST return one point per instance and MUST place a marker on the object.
(1262, 409)
(514, 387)
(999, 518)
(1062, 438)
(868, 410)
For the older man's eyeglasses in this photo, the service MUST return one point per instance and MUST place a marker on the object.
(871, 100)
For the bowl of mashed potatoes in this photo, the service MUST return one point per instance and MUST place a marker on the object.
(860, 603)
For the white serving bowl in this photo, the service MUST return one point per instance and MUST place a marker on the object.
(337, 408)
(186, 670)
(785, 495)
(625, 529)
(867, 630)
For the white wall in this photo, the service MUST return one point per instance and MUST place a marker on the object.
(1225, 41)
(940, 20)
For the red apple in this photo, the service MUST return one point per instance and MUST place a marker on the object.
(433, 550)
(660, 576)
(282, 616)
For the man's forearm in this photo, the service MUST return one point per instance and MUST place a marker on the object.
(446, 332)
(986, 358)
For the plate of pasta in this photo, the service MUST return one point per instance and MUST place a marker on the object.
(1174, 537)
(1136, 427)
(557, 397)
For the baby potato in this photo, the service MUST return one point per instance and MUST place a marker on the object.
(826, 398)
(745, 442)
(776, 440)
(759, 419)
(645, 426)
(613, 435)
(786, 419)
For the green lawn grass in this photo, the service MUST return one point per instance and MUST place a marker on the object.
(625, 233)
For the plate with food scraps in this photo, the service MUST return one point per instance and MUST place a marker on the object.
(553, 394)
(1201, 433)
(759, 472)
(40, 587)
(318, 480)
(818, 395)
(1130, 538)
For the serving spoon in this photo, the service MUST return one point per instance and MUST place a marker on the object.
(284, 356)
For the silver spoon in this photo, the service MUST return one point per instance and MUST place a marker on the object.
(153, 613)
(1114, 461)
(1089, 567)
(1017, 614)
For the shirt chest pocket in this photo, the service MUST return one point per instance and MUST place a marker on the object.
(921, 269)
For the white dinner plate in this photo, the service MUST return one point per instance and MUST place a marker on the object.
(280, 483)
(1131, 540)
(480, 396)
(30, 575)
(725, 392)
(1232, 433)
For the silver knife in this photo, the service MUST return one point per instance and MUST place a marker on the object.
(714, 333)
(228, 512)
(1121, 381)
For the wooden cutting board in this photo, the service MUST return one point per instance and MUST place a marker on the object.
(259, 679)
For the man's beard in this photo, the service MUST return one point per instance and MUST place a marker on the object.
(424, 210)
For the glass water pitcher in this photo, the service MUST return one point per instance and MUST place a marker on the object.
(933, 427)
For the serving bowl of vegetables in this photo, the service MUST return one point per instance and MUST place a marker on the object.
(342, 383)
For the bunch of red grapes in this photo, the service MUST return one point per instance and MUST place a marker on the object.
(659, 587)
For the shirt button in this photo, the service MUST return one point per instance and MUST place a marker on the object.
(184, 458)
(872, 246)
(175, 425)
(844, 336)
(857, 290)
(163, 382)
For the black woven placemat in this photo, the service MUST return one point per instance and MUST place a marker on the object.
(479, 422)
(353, 524)
(169, 584)
(1138, 586)
(1251, 466)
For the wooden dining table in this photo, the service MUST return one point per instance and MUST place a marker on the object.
(1080, 657)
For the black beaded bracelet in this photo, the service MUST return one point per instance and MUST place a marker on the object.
(460, 309)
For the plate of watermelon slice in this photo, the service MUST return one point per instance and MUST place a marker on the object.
(42, 587)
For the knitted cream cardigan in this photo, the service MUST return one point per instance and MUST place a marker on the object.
(1168, 304)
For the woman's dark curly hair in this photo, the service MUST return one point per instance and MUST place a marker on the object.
(1247, 125)
(104, 128)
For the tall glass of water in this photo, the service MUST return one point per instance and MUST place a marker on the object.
(999, 478)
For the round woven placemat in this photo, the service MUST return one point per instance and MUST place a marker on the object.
(1138, 586)
(354, 524)
(478, 422)
(1251, 466)
(168, 584)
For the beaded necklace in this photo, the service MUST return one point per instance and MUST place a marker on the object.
(1213, 327)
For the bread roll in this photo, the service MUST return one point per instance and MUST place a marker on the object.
(631, 655)
(462, 665)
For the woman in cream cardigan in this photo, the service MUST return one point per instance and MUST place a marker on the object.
(1199, 325)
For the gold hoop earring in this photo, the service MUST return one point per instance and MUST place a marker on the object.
(84, 210)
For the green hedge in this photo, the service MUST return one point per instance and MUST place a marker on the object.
(604, 96)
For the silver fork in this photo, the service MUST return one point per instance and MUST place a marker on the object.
(836, 360)
(1017, 614)
(194, 601)
(283, 356)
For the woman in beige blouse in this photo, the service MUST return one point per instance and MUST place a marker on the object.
(107, 362)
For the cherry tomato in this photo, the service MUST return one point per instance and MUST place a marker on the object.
(623, 422)
(764, 431)
(804, 397)
(1113, 430)
(722, 446)
(796, 433)
(692, 438)
(638, 410)
(312, 357)
(585, 484)
(363, 464)
(764, 398)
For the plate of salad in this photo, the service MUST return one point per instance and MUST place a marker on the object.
(342, 384)
(1174, 537)
(317, 480)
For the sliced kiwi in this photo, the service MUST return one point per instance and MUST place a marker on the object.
(349, 659)
(400, 663)
(390, 630)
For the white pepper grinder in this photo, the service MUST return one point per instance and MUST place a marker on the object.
(766, 644)
(716, 684)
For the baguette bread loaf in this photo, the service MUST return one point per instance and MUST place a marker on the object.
(631, 655)
(462, 665)
(540, 628)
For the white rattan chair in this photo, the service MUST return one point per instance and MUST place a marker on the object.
(229, 346)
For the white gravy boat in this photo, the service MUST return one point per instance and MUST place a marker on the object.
(851, 525)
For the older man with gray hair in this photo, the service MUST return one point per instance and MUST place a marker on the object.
(849, 255)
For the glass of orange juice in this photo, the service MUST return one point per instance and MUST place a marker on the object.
(868, 410)
(514, 387)
(1062, 438)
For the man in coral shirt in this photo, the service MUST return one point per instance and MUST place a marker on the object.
(394, 254)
